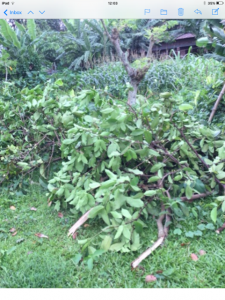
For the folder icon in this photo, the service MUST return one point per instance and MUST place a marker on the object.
(163, 12)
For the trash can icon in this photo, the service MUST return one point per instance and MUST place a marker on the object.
(180, 11)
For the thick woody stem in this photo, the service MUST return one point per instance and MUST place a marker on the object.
(145, 254)
(196, 196)
(220, 229)
(161, 237)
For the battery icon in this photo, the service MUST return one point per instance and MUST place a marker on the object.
(219, 3)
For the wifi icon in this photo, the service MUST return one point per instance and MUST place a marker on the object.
(12, 3)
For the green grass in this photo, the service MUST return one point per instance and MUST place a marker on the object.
(49, 263)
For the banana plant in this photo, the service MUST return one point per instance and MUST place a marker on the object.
(19, 40)
(85, 40)
(213, 40)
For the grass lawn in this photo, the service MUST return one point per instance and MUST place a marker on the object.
(28, 261)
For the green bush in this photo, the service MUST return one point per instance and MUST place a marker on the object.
(28, 62)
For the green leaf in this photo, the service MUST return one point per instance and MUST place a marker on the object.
(210, 226)
(201, 227)
(223, 206)
(148, 136)
(82, 242)
(106, 243)
(137, 132)
(150, 193)
(77, 258)
(189, 234)
(202, 42)
(155, 122)
(42, 170)
(9, 34)
(112, 148)
(68, 141)
(198, 233)
(20, 27)
(153, 179)
(220, 175)
(59, 82)
(178, 177)
(153, 153)
(116, 247)
(108, 183)
(116, 215)
(93, 213)
(126, 213)
(135, 202)
(90, 264)
(24, 165)
(135, 171)
(138, 227)
(94, 185)
(31, 28)
(177, 231)
(57, 205)
(156, 167)
(126, 232)
(188, 192)
(213, 214)
(119, 232)
(184, 209)
(105, 216)
(170, 179)
(88, 119)
(110, 174)
(195, 214)
(98, 253)
(185, 107)
(107, 110)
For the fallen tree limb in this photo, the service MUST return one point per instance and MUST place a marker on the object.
(160, 225)
(80, 222)
(220, 229)
(145, 254)
(162, 233)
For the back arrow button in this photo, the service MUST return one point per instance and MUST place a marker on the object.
(5, 12)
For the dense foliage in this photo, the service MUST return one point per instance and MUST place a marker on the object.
(95, 153)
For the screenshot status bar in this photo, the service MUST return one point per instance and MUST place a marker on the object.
(112, 9)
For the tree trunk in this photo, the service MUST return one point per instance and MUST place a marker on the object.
(135, 75)
(132, 94)
(151, 44)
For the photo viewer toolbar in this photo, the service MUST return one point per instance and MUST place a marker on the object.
(113, 9)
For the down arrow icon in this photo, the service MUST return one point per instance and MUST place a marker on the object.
(41, 12)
